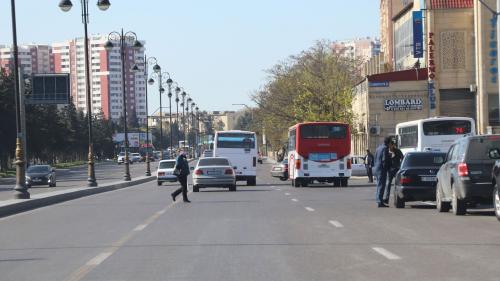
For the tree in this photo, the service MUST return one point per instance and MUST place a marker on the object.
(315, 85)
(220, 125)
(245, 122)
(8, 119)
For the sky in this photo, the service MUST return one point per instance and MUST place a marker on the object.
(216, 50)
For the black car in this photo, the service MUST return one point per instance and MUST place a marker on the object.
(465, 178)
(416, 180)
(40, 175)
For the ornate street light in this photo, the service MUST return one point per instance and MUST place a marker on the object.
(103, 5)
(124, 39)
(159, 77)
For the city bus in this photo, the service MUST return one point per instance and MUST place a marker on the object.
(241, 149)
(433, 134)
(319, 151)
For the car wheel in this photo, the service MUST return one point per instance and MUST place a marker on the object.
(158, 182)
(283, 179)
(196, 188)
(344, 182)
(442, 207)
(457, 205)
(496, 201)
(296, 182)
(52, 185)
(232, 188)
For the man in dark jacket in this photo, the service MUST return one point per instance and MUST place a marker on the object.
(182, 165)
(369, 165)
(382, 166)
(396, 159)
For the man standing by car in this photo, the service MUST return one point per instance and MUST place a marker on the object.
(382, 166)
(368, 159)
(396, 159)
(182, 172)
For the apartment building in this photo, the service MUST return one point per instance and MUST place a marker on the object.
(32, 58)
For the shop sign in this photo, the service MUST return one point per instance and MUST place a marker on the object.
(493, 51)
(418, 36)
(403, 104)
(432, 72)
(378, 84)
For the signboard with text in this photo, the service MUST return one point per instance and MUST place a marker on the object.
(418, 36)
(403, 104)
(134, 139)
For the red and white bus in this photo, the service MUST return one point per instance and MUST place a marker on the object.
(319, 151)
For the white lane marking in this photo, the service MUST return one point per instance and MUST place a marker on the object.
(295, 200)
(388, 255)
(97, 260)
(161, 212)
(140, 227)
(309, 209)
(273, 186)
(287, 194)
(278, 189)
(336, 224)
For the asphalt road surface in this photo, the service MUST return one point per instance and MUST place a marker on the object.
(268, 232)
(106, 172)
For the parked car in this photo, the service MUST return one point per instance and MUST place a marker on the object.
(280, 170)
(495, 154)
(165, 172)
(40, 175)
(358, 168)
(416, 179)
(121, 158)
(465, 178)
(214, 172)
(136, 157)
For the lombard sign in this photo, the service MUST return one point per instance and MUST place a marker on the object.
(403, 104)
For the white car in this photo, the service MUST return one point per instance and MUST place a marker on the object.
(136, 157)
(214, 172)
(358, 166)
(121, 158)
(165, 172)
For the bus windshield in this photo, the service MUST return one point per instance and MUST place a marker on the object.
(235, 140)
(323, 131)
(447, 127)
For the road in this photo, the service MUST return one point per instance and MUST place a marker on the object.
(106, 172)
(268, 232)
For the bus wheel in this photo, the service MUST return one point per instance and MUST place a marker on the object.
(305, 182)
(296, 183)
(252, 181)
(336, 182)
(344, 182)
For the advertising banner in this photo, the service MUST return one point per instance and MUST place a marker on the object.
(418, 35)
(134, 139)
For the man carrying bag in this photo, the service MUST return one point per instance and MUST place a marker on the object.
(182, 172)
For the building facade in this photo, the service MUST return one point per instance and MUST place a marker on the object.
(32, 58)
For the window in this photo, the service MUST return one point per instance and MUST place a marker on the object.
(292, 139)
(479, 148)
(214, 162)
(448, 127)
(235, 140)
(423, 159)
(323, 131)
(408, 136)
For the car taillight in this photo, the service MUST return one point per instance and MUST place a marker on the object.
(349, 163)
(161, 174)
(198, 172)
(405, 180)
(229, 171)
(297, 164)
(463, 171)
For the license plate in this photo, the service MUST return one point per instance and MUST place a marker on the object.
(323, 166)
(213, 173)
(37, 180)
(428, 179)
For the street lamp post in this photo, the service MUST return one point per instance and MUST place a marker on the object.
(198, 137)
(189, 100)
(123, 38)
(103, 5)
(177, 92)
(169, 84)
(193, 128)
(183, 119)
(21, 192)
(160, 76)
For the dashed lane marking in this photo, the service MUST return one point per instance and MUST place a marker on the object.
(140, 227)
(287, 194)
(388, 255)
(295, 200)
(99, 258)
(336, 224)
(309, 209)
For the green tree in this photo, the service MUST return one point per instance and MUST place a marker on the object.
(245, 122)
(7, 119)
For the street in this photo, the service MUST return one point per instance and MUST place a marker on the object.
(268, 232)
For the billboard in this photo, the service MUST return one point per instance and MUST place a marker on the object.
(418, 35)
(134, 139)
(53, 88)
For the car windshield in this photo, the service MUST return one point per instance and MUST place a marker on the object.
(38, 169)
(214, 162)
(167, 165)
(423, 160)
(479, 147)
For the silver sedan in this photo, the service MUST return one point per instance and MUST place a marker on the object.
(214, 172)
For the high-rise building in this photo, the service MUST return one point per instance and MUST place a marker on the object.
(361, 48)
(32, 58)
(106, 77)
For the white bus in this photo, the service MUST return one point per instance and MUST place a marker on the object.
(240, 147)
(433, 134)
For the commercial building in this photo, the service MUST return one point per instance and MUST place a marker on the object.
(452, 43)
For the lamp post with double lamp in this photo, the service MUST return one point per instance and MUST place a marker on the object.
(159, 77)
(169, 84)
(197, 135)
(188, 102)
(103, 5)
(147, 62)
(124, 39)
(183, 118)
(177, 92)
(20, 189)
(193, 128)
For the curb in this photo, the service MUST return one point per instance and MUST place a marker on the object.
(15, 206)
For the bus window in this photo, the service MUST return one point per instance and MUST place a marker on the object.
(235, 141)
(447, 127)
(292, 139)
(323, 131)
(408, 136)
